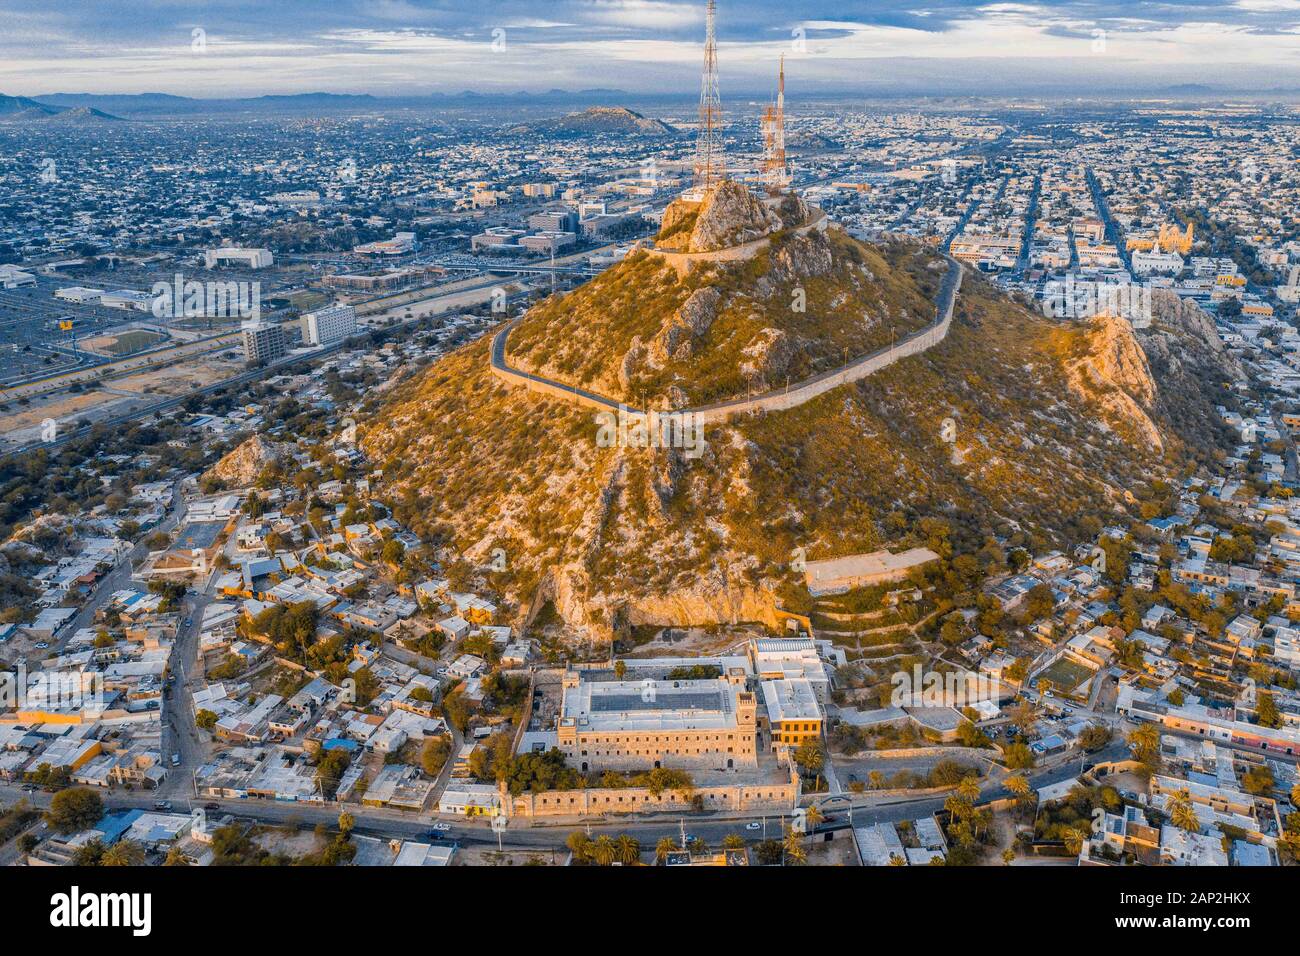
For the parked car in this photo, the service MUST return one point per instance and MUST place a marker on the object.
(176, 760)
(163, 805)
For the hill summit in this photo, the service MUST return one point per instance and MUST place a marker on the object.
(1004, 423)
(613, 120)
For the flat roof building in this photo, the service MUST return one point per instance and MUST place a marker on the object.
(637, 725)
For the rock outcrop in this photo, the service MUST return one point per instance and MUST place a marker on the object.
(241, 466)
(1115, 374)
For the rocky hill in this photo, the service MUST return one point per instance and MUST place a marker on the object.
(21, 109)
(241, 466)
(1050, 422)
(607, 120)
(678, 331)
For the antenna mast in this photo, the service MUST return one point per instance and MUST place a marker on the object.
(709, 166)
(774, 169)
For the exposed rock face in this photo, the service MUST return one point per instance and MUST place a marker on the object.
(767, 357)
(709, 602)
(1190, 363)
(803, 257)
(678, 339)
(241, 466)
(1180, 325)
(1115, 374)
(730, 216)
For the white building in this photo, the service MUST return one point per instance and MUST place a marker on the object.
(249, 258)
(330, 324)
(79, 294)
(11, 277)
(1146, 263)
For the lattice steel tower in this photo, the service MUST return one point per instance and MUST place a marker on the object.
(709, 164)
(775, 174)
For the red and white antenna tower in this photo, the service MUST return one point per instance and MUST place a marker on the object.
(775, 175)
(709, 165)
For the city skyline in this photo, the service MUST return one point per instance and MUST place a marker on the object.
(401, 48)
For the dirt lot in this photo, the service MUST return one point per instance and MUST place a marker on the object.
(488, 856)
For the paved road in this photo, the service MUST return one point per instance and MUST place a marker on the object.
(121, 575)
(944, 301)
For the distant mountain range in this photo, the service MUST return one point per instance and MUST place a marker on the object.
(165, 104)
(21, 109)
(96, 107)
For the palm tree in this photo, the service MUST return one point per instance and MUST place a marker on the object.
(1182, 814)
(627, 849)
(663, 848)
(1018, 785)
(812, 818)
(175, 857)
(89, 854)
(579, 845)
(732, 841)
(123, 853)
(1074, 838)
(794, 851)
(1008, 855)
(969, 789)
(602, 850)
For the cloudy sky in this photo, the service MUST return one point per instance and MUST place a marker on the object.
(251, 47)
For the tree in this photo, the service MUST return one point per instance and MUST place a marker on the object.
(733, 841)
(1144, 741)
(812, 818)
(123, 853)
(793, 848)
(627, 850)
(1266, 712)
(74, 810)
(175, 857)
(205, 719)
(579, 845)
(1018, 756)
(433, 757)
(89, 854)
(603, 850)
(769, 852)
(1018, 785)
(1009, 855)
(663, 848)
(346, 822)
(808, 755)
(1258, 781)
(1094, 737)
(1182, 813)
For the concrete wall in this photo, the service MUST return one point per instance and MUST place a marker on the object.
(565, 803)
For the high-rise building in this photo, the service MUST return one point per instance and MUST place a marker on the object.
(328, 325)
(264, 343)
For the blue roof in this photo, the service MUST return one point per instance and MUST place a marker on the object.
(340, 743)
(117, 822)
